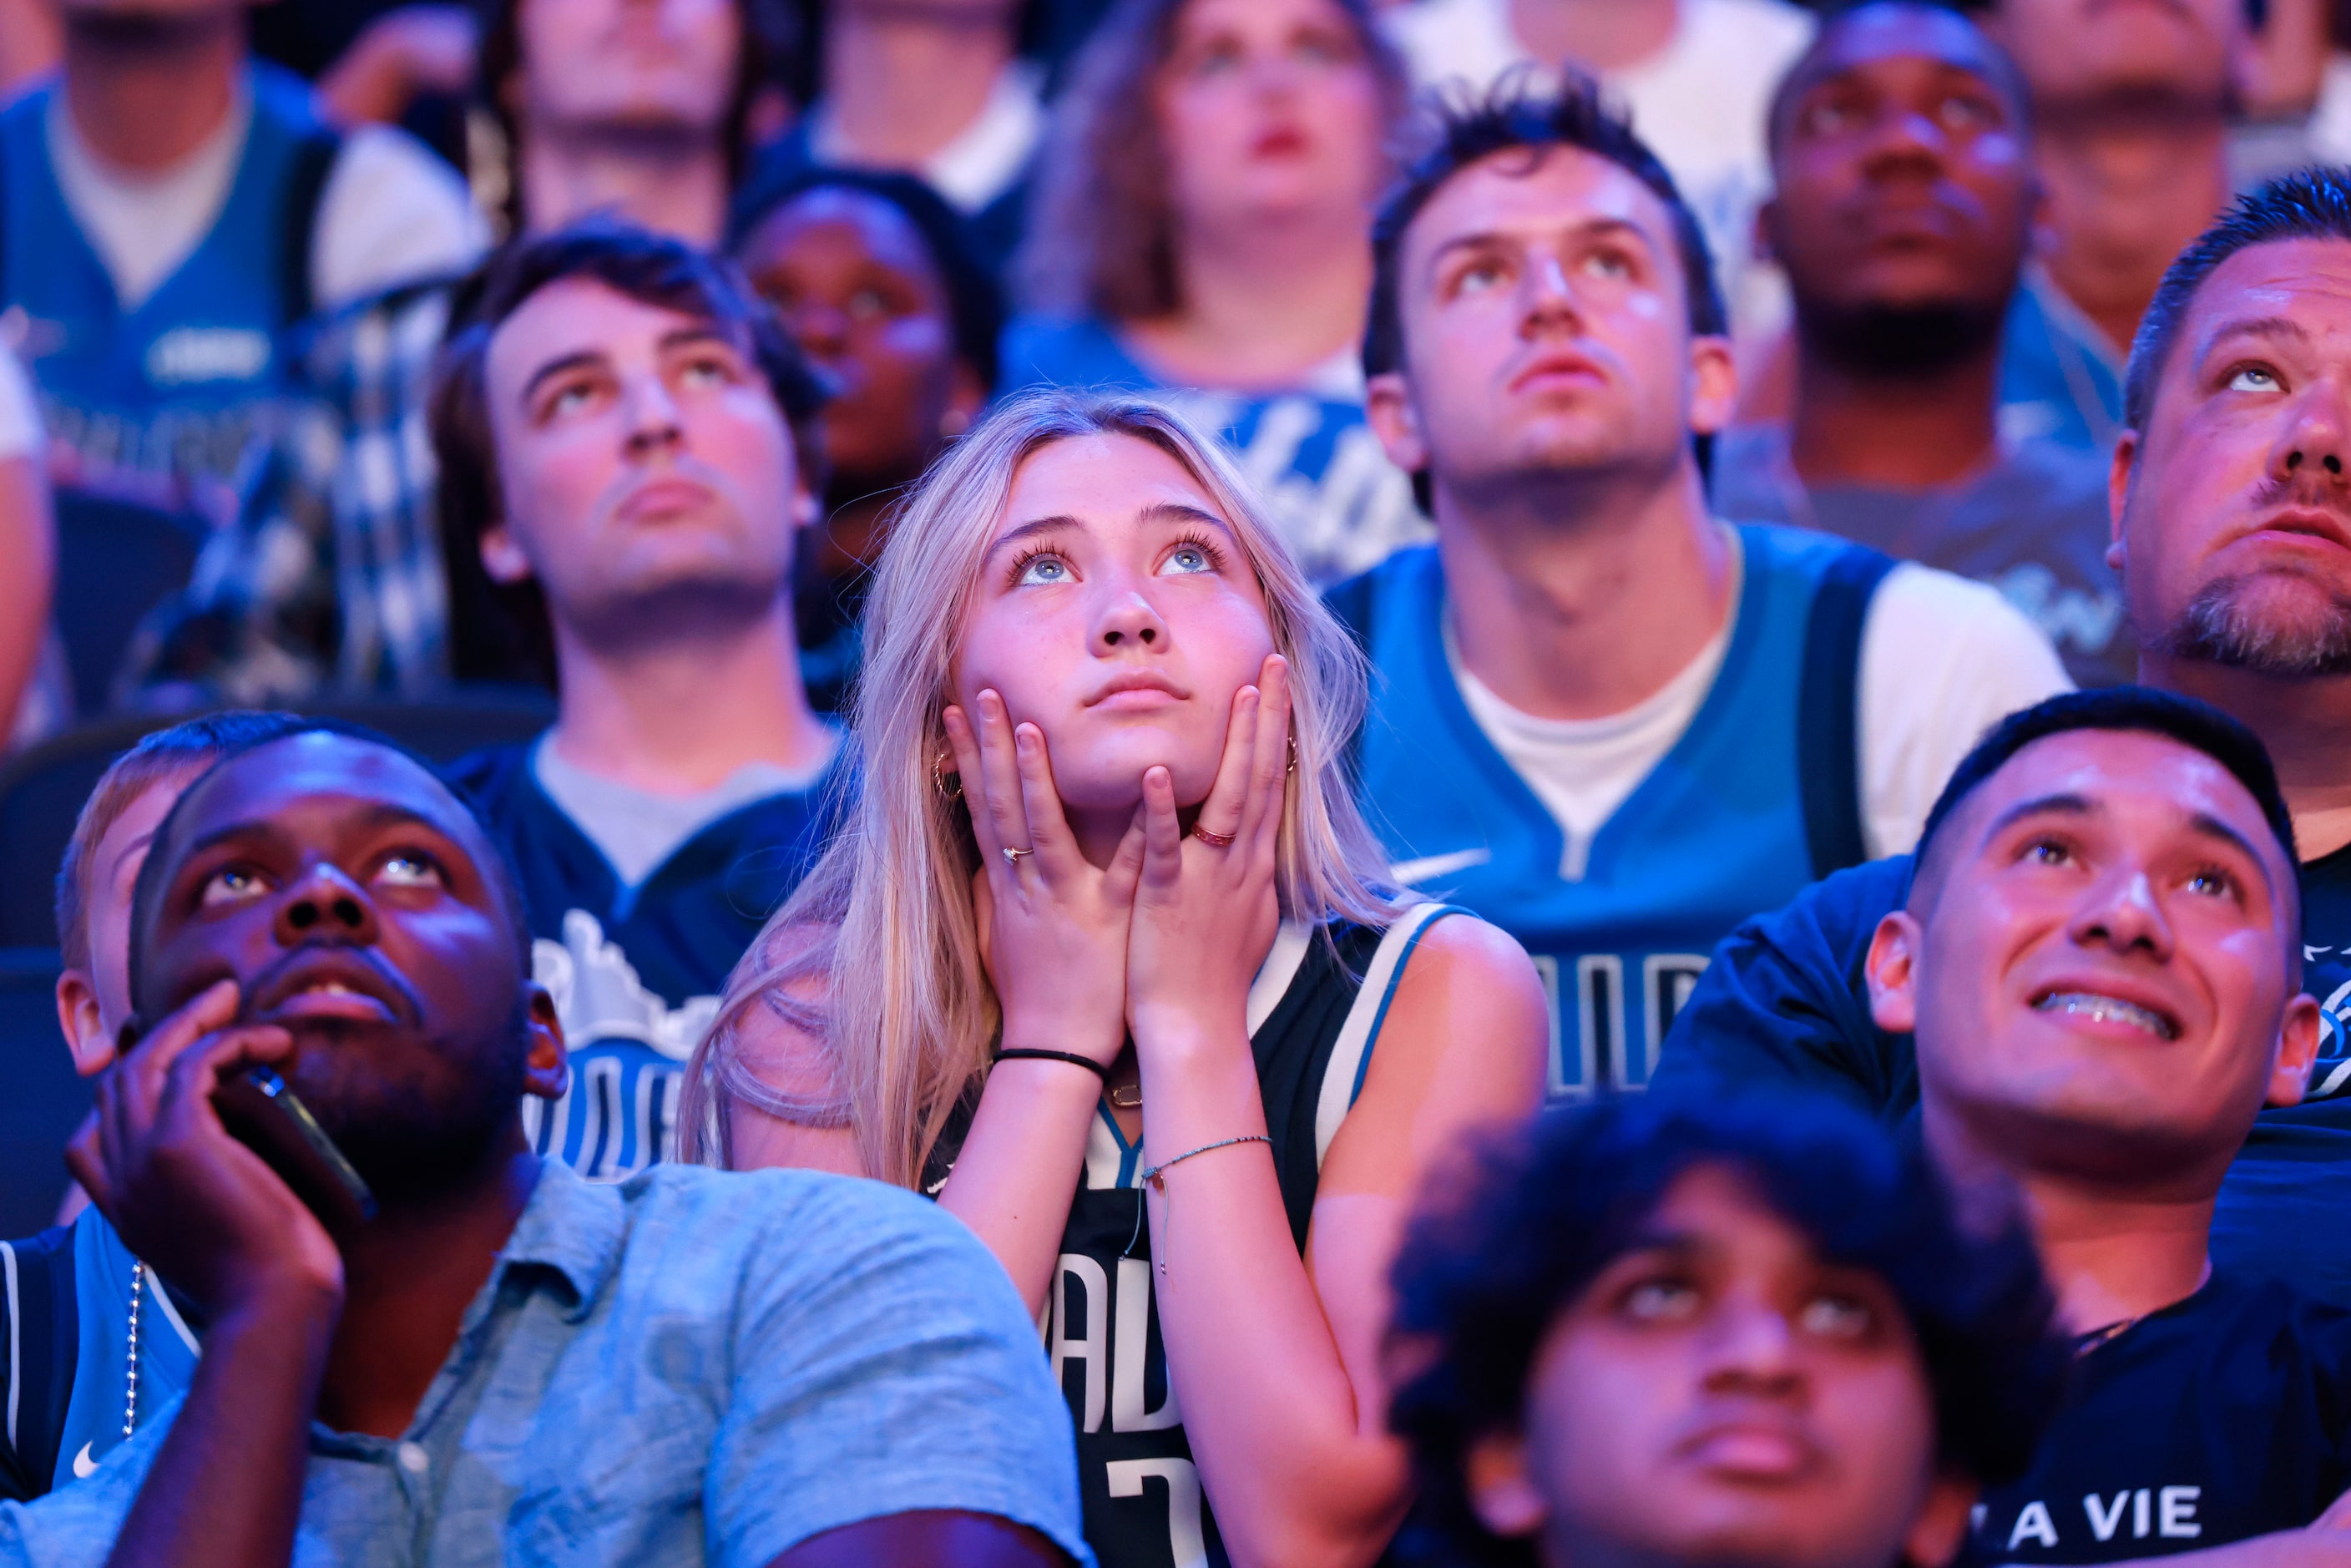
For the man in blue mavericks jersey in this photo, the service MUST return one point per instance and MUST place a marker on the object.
(168, 207)
(2232, 497)
(1602, 718)
(626, 440)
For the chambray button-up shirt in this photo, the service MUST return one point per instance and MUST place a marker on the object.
(691, 1367)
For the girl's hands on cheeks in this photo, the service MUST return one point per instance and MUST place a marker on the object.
(1052, 927)
(1205, 914)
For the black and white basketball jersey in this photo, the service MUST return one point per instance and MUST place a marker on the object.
(1314, 1017)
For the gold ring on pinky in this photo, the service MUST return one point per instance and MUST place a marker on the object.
(1013, 856)
(1214, 841)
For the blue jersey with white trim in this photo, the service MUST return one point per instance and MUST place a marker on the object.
(1314, 1013)
(184, 383)
(1714, 833)
(65, 1346)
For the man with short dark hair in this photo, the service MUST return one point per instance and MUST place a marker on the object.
(1659, 1334)
(501, 1362)
(2233, 495)
(626, 440)
(1902, 214)
(332, 578)
(1604, 720)
(2099, 956)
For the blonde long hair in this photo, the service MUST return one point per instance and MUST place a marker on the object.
(882, 928)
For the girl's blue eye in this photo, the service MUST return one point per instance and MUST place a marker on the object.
(1189, 559)
(1044, 571)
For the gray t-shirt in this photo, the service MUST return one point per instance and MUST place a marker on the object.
(2032, 523)
(636, 830)
(691, 1367)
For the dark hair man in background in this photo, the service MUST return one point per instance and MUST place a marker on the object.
(2231, 493)
(1596, 704)
(1659, 1334)
(503, 1360)
(1902, 214)
(2099, 956)
(627, 452)
(332, 577)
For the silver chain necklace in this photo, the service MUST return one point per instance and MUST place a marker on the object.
(131, 1372)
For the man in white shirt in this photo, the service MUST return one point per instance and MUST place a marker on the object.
(1694, 75)
(168, 207)
(1606, 721)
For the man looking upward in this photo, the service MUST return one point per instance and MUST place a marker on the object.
(627, 447)
(504, 1361)
(1604, 720)
(1902, 214)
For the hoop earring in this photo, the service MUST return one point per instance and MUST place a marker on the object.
(940, 775)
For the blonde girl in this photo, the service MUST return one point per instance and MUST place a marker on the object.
(1104, 961)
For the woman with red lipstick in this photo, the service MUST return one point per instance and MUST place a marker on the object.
(1104, 963)
(1202, 229)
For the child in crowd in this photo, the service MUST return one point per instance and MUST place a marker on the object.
(1660, 1331)
(1102, 962)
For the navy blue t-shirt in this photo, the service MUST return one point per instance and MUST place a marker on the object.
(635, 970)
(2220, 1418)
(1784, 1000)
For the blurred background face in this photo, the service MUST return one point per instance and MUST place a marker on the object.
(1722, 1394)
(1268, 107)
(857, 287)
(1116, 612)
(2104, 958)
(2074, 49)
(646, 65)
(2236, 507)
(1546, 326)
(642, 463)
(1904, 180)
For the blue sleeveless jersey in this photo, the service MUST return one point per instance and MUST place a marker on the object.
(182, 384)
(1716, 831)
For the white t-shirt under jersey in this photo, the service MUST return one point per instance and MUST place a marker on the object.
(1942, 660)
(391, 211)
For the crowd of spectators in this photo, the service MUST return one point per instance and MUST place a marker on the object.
(1574, 775)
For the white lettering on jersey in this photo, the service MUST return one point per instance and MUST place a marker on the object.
(2035, 1522)
(2176, 1512)
(207, 354)
(1094, 1349)
(2103, 1524)
(599, 996)
(1185, 1540)
(1130, 1348)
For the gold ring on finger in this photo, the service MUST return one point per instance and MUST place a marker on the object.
(1214, 841)
(1013, 856)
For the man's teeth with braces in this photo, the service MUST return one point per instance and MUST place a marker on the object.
(2106, 1009)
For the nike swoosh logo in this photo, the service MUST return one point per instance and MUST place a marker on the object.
(84, 1466)
(1412, 873)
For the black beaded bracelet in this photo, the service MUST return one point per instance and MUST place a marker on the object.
(1071, 1057)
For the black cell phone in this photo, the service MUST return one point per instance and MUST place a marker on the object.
(267, 1117)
